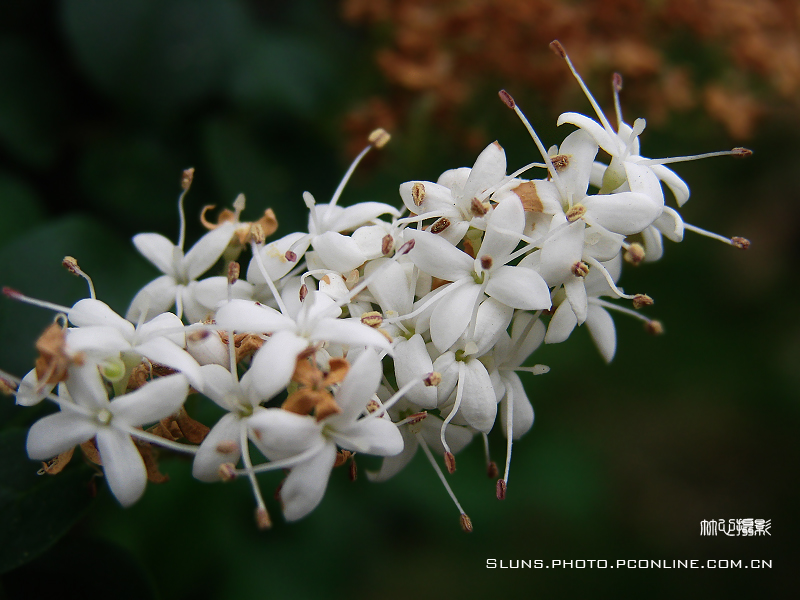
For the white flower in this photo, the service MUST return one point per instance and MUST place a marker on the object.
(280, 434)
(88, 414)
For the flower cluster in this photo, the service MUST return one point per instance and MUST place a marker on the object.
(377, 331)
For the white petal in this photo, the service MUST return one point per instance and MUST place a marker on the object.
(627, 213)
(338, 252)
(156, 297)
(166, 352)
(519, 287)
(359, 214)
(653, 243)
(219, 386)
(479, 403)
(452, 315)
(358, 386)
(86, 386)
(607, 142)
(411, 363)
(99, 343)
(507, 219)
(281, 434)
(245, 316)
(534, 336)
(581, 149)
(670, 224)
(392, 465)
(305, 486)
(164, 325)
(89, 311)
(213, 291)
(490, 323)
(489, 169)
(560, 252)
(273, 365)
(158, 250)
(208, 460)
(561, 324)
(207, 251)
(349, 332)
(273, 255)
(152, 402)
(27, 394)
(389, 285)
(438, 257)
(375, 436)
(122, 464)
(642, 179)
(676, 185)
(576, 294)
(57, 433)
(601, 328)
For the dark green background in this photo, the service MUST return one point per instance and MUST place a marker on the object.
(102, 104)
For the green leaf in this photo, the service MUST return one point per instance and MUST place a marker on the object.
(35, 511)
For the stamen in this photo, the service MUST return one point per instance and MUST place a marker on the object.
(443, 291)
(621, 309)
(491, 466)
(402, 251)
(378, 139)
(262, 516)
(740, 152)
(610, 280)
(270, 283)
(186, 182)
(71, 265)
(556, 46)
(616, 86)
(502, 484)
(446, 422)
(15, 295)
(466, 524)
(506, 97)
(736, 241)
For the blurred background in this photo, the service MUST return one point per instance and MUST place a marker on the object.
(102, 104)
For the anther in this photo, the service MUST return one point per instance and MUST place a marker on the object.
(642, 300)
(227, 447)
(466, 523)
(407, 247)
(580, 269)
(558, 49)
(575, 213)
(372, 406)
(71, 265)
(257, 233)
(616, 81)
(416, 418)
(303, 292)
(478, 208)
(501, 489)
(560, 161)
(387, 243)
(372, 318)
(740, 242)
(491, 470)
(440, 225)
(418, 193)
(186, 178)
(741, 152)
(290, 256)
(233, 272)
(450, 462)
(507, 99)
(262, 518)
(379, 137)
(634, 254)
(486, 262)
(433, 379)
(654, 327)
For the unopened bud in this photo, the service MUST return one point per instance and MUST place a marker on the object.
(491, 470)
(575, 213)
(233, 272)
(262, 518)
(433, 379)
(642, 300)
(501, 489)
(580, 269)
(227, 471)
(450, 462)
(303, 292)
(186, 178)
(372, 319)
(556, 47)
(466, 523)
(387, 243)
(560, 162)
(440, 225)
(407, 247)
(634, 254)
(227, 447)
(740, 242)
(741, 152)
(418, 193)
(654, 327)
(478, 208)
(290, 256)
(616, 81)
(486, 262)
(507, 99)
(379, 137)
